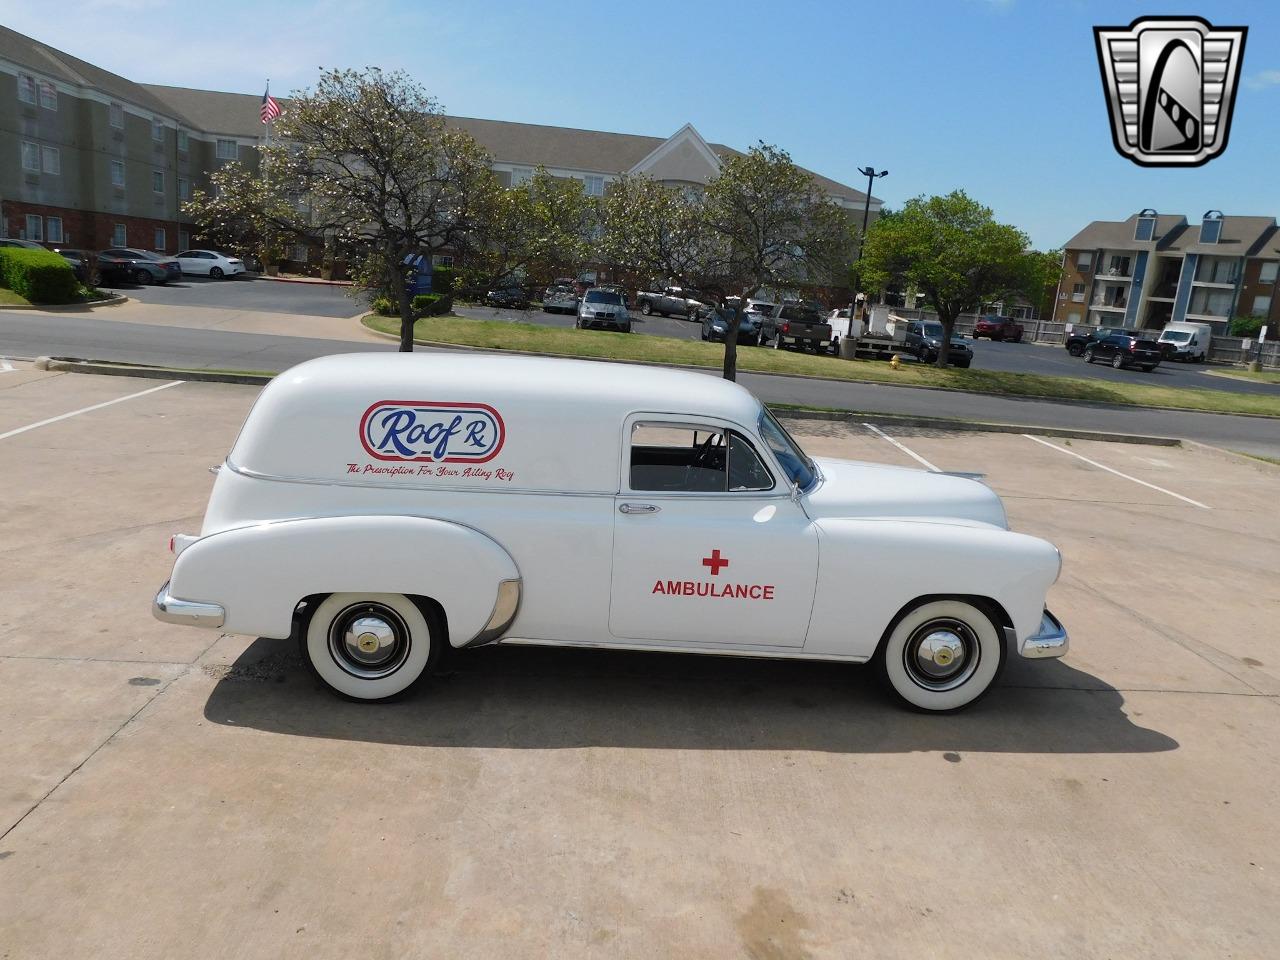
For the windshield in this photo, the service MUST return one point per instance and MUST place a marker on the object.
(795, 462)
(755, 306)
(1175, 336)
(933, 329)
(604, 296)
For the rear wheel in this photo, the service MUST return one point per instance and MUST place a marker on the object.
(215, 273)
(646, 308)
(942, 655)
(369, 646)
(141, 277)
(1075, 349)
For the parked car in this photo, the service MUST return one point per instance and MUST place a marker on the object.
(715, 326)
(998, 328)
(605, 309)
(140, 266)
(512, 296)
(585, 504)
(1076, 342)
(763, 311)
(669, 301)
(1182, 340)
(15, 242)
(1125, 350)
(799, 326)
(209, 263)
(559, 299)
(80, 260)
(923, 339)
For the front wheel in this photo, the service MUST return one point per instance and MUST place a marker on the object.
(942, 656)
(646, 308)
(1148, 367)
(368, 646)
(1088, 355)
(1117, 362)
(141, 277)
(1075, 349)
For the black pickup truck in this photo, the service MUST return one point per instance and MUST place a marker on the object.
(799, 326)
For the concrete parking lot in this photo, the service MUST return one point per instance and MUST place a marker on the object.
(169, 792)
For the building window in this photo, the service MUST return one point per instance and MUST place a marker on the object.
(26, 88)
(116, 114)
(30, 156)
(157, 181)
(1145, 228)
(117, 173)
(300, 252)
(521, 175)
(1084, 261)
(1210, 230)
(227, 150)
(35, 228)
(593, 186)
(48, 95)
(442, 260)
(1262, 305)
(1267, 272)
(119, 236)
(157, 131)
(183, 141)
(184, 240)
(1077, 293)
(1209, 302)
(1216, 270)
(160, 238)
(53, 229)
(184, 189)
(51, 160)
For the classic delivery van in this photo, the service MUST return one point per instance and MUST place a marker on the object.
(383, 506)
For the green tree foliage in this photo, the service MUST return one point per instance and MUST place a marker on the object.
(953, 251)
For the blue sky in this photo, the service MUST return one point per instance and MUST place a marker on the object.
(1000, 97)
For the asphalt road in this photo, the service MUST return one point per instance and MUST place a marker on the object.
(249, 294)
(27, 335)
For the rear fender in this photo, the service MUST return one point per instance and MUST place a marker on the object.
(258, 574)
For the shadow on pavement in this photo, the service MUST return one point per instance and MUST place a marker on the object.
(548, 698)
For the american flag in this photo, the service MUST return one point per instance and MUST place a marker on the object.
(270, 108)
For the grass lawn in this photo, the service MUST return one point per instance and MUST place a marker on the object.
(497, 335)
(1261, 376)
(10, 299)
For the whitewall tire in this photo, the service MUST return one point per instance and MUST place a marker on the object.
(943, 655)
(368, 646)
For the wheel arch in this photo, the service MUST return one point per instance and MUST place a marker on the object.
(991, 607)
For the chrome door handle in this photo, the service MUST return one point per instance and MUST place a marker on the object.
(638, 508)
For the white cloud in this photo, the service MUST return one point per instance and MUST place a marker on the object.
(1263, 79)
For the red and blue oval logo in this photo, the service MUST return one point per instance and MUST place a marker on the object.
(431, 431)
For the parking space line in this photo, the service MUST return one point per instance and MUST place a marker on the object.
(96, 406)
(903, 447)
(1103, 466)
(6, 366)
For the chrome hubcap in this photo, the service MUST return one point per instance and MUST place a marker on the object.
(941, 654)
(369, 640)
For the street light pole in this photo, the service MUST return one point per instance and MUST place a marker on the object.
(871, 175)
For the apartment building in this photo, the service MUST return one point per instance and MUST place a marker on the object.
(94, 160)
(1153, 268)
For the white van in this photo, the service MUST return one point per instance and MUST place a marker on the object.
(1183, 340)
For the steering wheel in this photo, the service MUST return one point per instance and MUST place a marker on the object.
(700, 457)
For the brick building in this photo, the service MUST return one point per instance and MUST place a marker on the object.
(94, 160)
(1152, 268)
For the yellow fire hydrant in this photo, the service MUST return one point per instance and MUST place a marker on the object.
(895, 361)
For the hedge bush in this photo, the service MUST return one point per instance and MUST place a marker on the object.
(432, 304)
(443, 280)
(1246, 326)
(40, 276)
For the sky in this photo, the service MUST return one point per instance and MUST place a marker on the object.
(1001, 98)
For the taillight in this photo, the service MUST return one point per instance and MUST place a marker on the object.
(786, 327)
(171, 544)
(1133, 345)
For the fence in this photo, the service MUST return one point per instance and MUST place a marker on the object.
(1221, 349)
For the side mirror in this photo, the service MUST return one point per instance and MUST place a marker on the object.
(795, 490)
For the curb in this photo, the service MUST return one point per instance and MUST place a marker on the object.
(969, 426)
(103, 368)
(306, 280)
(68, 307)
(1096, 404)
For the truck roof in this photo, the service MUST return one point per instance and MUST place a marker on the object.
(558, 421)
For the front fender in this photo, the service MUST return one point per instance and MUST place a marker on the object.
(870, 569)
(259, 573)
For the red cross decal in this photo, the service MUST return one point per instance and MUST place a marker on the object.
(714, 562)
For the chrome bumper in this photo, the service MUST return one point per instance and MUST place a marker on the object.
(191, 613)
(1049, 641)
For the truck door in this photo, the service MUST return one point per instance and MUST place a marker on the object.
(709, 548)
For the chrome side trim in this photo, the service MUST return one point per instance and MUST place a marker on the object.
(505, 607)
(1049, 641)
(191, 613)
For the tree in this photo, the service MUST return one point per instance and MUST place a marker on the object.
(761, 222)
(248, 213)
(542, 228)
(953, 251)
(1044, 272)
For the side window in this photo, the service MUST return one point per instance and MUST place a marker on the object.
(685, 459)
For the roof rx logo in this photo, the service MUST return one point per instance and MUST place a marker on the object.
(1170, 84)
(434, 432)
